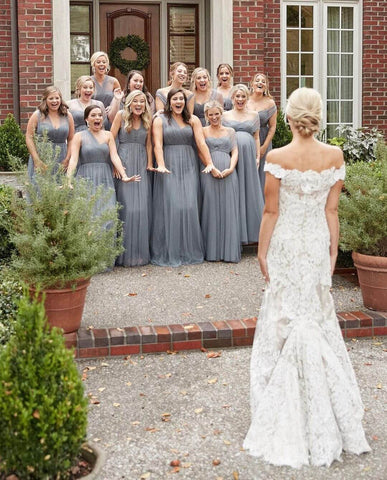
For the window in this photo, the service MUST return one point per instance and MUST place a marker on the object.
(81, 31)
(183, 35)
(322, 50)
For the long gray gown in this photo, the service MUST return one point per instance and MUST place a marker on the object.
(264, 117)
(251, 201)
(134, 197)
(176, 237)
(77, 110)
(94, 164)
(220, 205)
(104, 93)
(163, 98)
(58, 137)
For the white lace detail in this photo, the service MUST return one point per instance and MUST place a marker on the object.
(305, 402)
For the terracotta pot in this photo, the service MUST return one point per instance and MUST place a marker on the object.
(64, 307)
(96, 457)
(372, 274)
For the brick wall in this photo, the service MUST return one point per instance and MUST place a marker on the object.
(35, 53)
(6, 101)
(257, 42)
(374, 64)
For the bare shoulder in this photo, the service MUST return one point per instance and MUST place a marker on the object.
(277, 155)
(194, 120)
(333, 154)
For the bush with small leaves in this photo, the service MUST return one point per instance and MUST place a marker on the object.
(12, 144)
(282, 135)
(43, 410)
(6, 246)
(11, 290)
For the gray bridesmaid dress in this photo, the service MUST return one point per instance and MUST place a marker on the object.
(251, 201)
(220, 205)
(58, 137)
(77, 110)
(176, 237)
(104, 93)
(163, 98)
(94, 164)
(134, 197)
(264, 117)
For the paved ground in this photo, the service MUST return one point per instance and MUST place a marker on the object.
(147, 411)
(194, 293)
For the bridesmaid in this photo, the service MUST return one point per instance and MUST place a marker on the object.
(107, 88)
(203, 93)
(176, 237)
(95, 149)
(220, 207)
(132, 127)
(262, 102)
(225, 76)
(178, 76)
(52, 117)
(246, 124)
(84, 91)
(135, 81)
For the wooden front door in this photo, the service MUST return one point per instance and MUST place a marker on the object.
(122, 19)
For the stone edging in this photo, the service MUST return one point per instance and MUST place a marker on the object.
(109, 342)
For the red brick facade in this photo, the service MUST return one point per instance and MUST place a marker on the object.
(256, 25)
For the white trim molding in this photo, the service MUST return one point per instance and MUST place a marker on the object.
(61, 46)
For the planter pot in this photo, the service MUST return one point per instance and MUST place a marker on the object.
(372, 274)
(64, 307)
(96, 457)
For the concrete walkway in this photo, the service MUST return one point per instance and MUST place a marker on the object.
(146, 411)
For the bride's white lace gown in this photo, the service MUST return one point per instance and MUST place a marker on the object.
(305, 402)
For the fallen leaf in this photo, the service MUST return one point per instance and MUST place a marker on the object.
(94, 401)
(368, 364)
(187, 275)
(235, 475)
(226, 406)
(226, 442)
(96, 439)
(186, 465)
(116, 404)
(202, 349)
(174, 450)
(183, 392)
(36, 414)
(375, 437)
(132, 294)
(175, 470)
(104, 364)
(101, 389)
(379, 386)
(175, 463)
(143, 274)
(172, 352)
(214, 354)
(198, 410)
(151, 429)
(199, 306)
(217, 432)
(128, 384)
(207, 295)
(188, 327)
(136, 423)
(144, 476)
(211, 381)
(216, 462)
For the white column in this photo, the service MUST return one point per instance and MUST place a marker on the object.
(221, 34)
(61, 46)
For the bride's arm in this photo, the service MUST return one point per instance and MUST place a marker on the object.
(269, 219)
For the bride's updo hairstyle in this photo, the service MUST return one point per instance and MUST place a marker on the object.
(304, 108)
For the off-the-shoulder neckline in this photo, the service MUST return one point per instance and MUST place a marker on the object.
(305, 171)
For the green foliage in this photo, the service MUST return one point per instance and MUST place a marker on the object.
(12, 145)
(363, 207)
(282, 135)
(6, 246)
(57, 232)
(10, 292)
(357, 144)
(43, 410)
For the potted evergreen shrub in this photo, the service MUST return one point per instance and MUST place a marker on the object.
(43, 409)
(59, 240)
(363, 226)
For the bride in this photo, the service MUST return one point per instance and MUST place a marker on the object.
(305, 402)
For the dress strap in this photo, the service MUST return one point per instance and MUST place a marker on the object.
(276, 170)
(339, 173)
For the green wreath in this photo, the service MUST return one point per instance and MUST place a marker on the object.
(137, 44)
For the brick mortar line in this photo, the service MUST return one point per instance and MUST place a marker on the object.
(89, 343)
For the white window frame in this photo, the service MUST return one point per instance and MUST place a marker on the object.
(320, 17)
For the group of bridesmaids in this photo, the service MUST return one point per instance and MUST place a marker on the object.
(186, 167)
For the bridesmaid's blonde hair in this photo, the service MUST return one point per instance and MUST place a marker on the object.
(212, 104)
(94, 57)
(80, 82)
(194, 75)
(304, 108)
(127, 115)
(239, 86)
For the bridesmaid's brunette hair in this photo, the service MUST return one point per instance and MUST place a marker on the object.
(229, 68)
(131, 74)
(43, 107)
(127, 114)
(168, 110)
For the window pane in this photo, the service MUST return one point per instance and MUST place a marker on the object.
(80, 48)
(79, 18)
(309, 82)
(306, 64)
(333, 65)
(347, 41)
(331, 130)
(347, 88)
(347, 17)
(346, 112)
(333, 112)
(292, 16)
(292, 64)
(181, 20)
(333, 17)
(182, 47)
(291, 85)
(333, 88)
(307, 17)
(346, 65)
(333, 38)
(292, 41)
(77, 70)
(307, 40)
